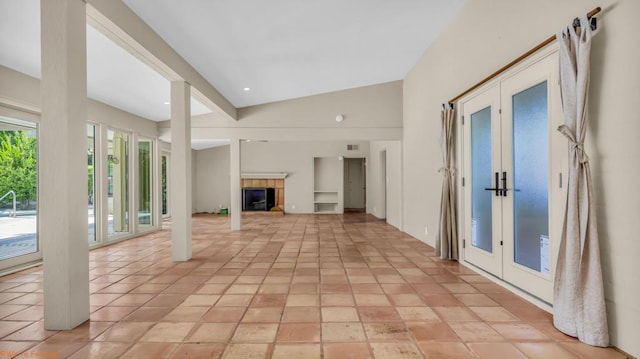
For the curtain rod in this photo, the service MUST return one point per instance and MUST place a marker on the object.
(546, 42)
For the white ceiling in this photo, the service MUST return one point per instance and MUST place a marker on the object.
(114, 76)
(281, 49)
(284, 49)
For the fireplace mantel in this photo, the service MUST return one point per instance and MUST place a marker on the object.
(264, 175)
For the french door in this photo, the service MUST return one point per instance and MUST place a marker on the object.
(513, 162)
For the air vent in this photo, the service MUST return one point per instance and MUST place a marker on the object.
(353, 147)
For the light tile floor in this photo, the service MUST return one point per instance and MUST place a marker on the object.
(294, 286)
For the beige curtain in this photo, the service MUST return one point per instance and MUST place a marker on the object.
(447, 241)
(579, 306)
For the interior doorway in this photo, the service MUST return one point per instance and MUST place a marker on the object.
(355, 185)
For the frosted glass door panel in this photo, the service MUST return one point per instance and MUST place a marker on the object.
(531, 178)
(481, 178)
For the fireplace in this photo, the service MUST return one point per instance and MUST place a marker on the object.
(258, 182)
(258, 199)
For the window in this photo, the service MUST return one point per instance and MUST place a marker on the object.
(165, 185)
(145, 183)
(18, 192)
(91, 195)
(118, 183)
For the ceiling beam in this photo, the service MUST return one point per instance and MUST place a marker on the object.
(125, 28)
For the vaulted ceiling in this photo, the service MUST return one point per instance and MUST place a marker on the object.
(282, 49)
(277, 49)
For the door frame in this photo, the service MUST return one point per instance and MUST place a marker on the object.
(492, 261)
(542, 70)
(25, 260)
(557, 170)
(363, 162)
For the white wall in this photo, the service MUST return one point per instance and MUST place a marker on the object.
(380, 204)
(212, 179)
(295, 158)
(370, 113)
(299, 129)
(484, 37)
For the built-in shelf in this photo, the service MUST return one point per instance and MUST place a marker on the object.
(326, 196)
(325, 201)
(328, 211)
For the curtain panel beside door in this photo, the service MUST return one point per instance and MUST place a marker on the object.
(447, 241)
(579, 306)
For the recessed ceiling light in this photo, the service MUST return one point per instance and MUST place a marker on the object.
(247, 89)
(167, 103)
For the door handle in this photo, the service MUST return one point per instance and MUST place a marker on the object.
(504, 184)
(497, 189)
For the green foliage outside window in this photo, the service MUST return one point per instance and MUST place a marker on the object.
(18, 166)
(90, 183)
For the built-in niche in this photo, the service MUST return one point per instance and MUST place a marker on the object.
(327, 185)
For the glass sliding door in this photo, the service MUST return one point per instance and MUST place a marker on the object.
(145, 183)
(165, 185)
(91, 157)
(18, 192)
(118, 183)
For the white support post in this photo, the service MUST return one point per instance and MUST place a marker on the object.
(180, 171)
(62, 201)
(236, 187)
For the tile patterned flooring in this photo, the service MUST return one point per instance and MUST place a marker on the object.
(296, 286)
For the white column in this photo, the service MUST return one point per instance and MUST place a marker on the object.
(62, 194)
(236, 188)
(180, 171)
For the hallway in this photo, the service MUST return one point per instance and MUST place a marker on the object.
(293, 286)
